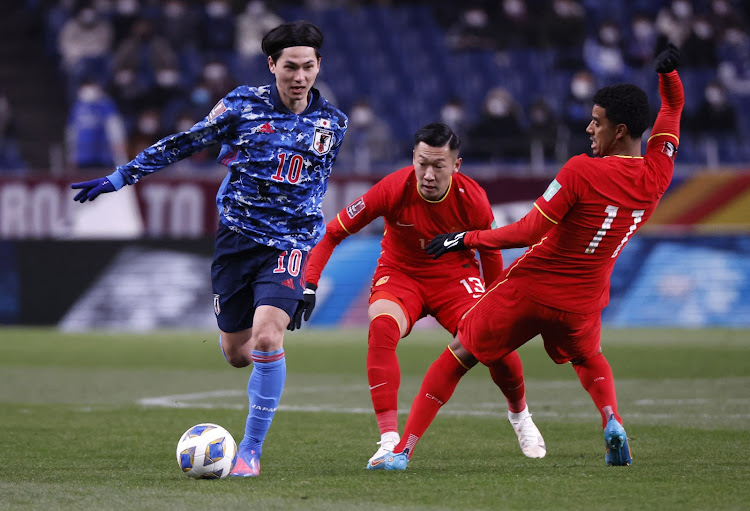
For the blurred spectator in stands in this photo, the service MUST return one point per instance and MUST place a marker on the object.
(124, 13)
(734, 60)
(95, 132)
(146, 71)
(471, 31)
(368, 140)
(563, 29)
(217, 30)
(453, 114)
(603, 54)
(714, 126)
(10, 154)
(179, 24)
(576, 113)
(723, 15)
(499, 134)
(147, 130)
(85, 42)
(56, 16)
(218, 80)
(640, 46)
(715, 113)
(543, 129)
(674, 23)
(699, 50)
(513, 26)
(252, 24)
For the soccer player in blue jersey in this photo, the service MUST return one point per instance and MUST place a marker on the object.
(279, 142)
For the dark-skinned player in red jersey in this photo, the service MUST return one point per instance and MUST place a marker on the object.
(417, 203)
(575, 231)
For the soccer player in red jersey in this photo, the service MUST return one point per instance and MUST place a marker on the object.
(575, 231)
(417, 203)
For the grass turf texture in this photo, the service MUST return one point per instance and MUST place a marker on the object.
(91, 421)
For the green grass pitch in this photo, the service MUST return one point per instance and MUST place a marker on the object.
(91, 421)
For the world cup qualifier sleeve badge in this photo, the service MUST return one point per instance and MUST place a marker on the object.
(323, 138)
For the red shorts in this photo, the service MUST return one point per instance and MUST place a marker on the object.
(444, 297)
(505, 319)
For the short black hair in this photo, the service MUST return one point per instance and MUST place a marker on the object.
(294, 33)
(627, 104)
(437, 134)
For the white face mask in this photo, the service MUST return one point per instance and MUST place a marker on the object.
(498, 107)
(90, 93)
(643, 29)
(703, 29)
(361, 116)
(715, 96)
(148, 125)
(581, 89)
(476, 18)
(127, 7)
(609, 35)
(174, 9)
(214, 72)
(217, 9)
(452, 114)
(682, 9)
(184, 124)
(514, 7)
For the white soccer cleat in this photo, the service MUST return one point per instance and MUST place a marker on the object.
(529, 437)
(388, 442)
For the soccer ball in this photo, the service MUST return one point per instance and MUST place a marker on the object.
(206, 451)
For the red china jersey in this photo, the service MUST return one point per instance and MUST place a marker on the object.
(597, 204)
(411, 221)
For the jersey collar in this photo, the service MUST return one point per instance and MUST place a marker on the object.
(315, 101)
(441, 199)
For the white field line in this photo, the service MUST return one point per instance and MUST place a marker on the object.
(203, 400)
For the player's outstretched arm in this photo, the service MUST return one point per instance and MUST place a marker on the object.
(672, 99)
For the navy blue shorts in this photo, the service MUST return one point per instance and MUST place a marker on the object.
(246, 274)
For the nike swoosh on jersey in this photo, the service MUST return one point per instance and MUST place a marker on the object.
(378, 385)
(404, 225)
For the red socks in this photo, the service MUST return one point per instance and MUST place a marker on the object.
(596, 377)
(437, 388)
(507, 373)
(383, 372)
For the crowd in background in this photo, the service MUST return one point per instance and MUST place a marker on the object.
(137, 70)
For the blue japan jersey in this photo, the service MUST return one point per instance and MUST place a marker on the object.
(279, 163)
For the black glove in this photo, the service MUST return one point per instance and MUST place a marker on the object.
(668, 60)
(305, 307)
(443, 243)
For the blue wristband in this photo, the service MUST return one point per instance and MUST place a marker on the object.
(117, 179)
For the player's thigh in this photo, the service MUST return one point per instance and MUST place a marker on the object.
(450, 297)
(400, 288)
(570, 336)
(499, 323)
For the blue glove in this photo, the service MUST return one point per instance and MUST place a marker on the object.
(90, 190)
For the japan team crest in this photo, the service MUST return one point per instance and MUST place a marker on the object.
(322, 141)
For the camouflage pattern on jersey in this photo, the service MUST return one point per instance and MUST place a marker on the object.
(279, 163)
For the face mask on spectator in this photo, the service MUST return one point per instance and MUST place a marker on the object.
(498, 107)
(452, 114)
(703, 29)
(682, 9)
(217, 9)
(643, 29)
(148, 125)
(715, 96)
(581, 88)
(127, 7)
(200, 96)
(90, 93)
(609, 35)
(361, 116)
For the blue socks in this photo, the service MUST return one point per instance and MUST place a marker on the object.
(264, 390)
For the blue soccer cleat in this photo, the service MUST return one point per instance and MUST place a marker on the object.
(397, 461)
(616, 441)
(247, 465)
(387, 443)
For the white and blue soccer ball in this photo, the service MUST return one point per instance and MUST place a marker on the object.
(206, 451)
